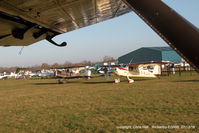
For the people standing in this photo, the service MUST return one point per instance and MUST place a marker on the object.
(89, 74)
(106, 73)
(173, 67)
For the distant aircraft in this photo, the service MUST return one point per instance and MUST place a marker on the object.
(69, 75)
(143, 70)
(101, 69)
(33, 74)
(25, 22)
(72, 72)
(5, 76)
(2, 76)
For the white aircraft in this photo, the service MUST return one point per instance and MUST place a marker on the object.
(145, 70)
(5, 76)
(2, 76)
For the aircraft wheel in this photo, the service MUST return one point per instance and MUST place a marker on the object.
(59, 82)
(64, 81)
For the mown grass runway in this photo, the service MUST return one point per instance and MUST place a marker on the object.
(96, 105)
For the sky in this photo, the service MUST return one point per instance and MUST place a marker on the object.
(114, 37)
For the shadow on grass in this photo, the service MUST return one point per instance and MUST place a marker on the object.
(143, 79)
(44, 83)
(55, 83)
(122, 80)
(74, 83)
(90, 82)
(186, 81)
(100, 82)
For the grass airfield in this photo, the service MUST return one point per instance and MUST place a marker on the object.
(98, 105)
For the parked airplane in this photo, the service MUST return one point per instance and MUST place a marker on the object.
(33, 74)
(25, 22)
(72, 72)
(2, 76)
(101, 69)
(144, 70)
(5, 76)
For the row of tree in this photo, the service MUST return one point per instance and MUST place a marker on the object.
(56, 65)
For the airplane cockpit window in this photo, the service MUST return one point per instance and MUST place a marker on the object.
(150, 67)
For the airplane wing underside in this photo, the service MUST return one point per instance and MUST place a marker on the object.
(23, 22)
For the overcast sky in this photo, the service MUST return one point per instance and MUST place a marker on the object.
(114, 37)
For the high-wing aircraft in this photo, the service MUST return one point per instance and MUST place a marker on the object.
(2, 76)
(23, 22)
(143, 70)
(72, 72)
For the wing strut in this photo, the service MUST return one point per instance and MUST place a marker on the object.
(181, 35)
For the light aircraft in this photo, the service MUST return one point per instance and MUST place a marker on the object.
(143, 70)
(71, 73)
(5, 76)
(23, 22)
(110, 69)
(45, 74)
(33, 74)
(2, 76)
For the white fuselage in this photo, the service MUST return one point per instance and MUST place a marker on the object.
(143, 70)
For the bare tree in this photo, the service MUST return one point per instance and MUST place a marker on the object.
(56, 65)
(45, 66)
(67, 64)
(108, 59)
(85, 63)
(35, 68)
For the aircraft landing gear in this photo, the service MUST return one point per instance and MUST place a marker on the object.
(61, 81)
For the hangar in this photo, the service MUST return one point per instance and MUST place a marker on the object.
(150, 54)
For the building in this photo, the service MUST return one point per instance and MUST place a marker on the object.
(149, 54)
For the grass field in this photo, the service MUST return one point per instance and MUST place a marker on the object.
(96, 105)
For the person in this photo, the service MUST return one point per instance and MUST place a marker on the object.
(106, 73)
(173, 67)
(71, 72)
(89, 74)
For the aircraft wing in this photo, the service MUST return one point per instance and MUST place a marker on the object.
(23, 22)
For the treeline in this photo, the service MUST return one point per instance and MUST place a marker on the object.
(56, 65)
(45, 66)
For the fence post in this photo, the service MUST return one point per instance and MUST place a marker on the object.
(190, 71)
(168, 71)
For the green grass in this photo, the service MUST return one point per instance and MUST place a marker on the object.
(96, 105)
